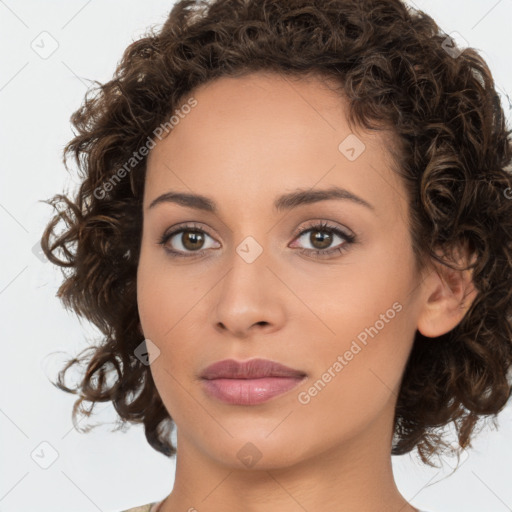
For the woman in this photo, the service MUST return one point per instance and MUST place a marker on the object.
(294, 230)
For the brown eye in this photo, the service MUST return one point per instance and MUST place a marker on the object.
(192, 240)
(320, 239)
(186, 241)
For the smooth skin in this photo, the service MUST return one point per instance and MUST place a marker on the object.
(247, 141)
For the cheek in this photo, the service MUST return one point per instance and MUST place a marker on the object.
(343, 302)
(359, 363)
(162, 296)
(166, 310)
(160, 312)
(355, 382)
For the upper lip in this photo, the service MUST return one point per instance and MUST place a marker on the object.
(251, 369)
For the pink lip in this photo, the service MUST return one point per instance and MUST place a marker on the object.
(250, 382)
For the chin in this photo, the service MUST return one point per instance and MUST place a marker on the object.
(255, 451)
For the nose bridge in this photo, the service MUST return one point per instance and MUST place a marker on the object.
(246, 295)
(248, 264)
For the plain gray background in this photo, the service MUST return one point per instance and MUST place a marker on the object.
(49, 50)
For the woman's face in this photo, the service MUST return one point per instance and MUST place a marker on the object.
(249, 285)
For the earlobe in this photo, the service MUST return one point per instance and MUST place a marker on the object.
(448, 296)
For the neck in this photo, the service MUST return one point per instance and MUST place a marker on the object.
(354, 475)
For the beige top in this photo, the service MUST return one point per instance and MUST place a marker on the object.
(150, 507)
(153, 507)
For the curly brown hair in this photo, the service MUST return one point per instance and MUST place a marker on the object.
(392, 65)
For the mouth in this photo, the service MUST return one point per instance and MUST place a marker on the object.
(249, 383)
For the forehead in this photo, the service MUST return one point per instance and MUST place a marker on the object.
(252, 136)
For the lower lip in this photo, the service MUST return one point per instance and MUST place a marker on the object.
(249, 391)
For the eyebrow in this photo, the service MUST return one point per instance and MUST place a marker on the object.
(284, 202)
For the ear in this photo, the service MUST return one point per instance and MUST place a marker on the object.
(448, 294)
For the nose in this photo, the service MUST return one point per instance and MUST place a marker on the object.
(249, 298)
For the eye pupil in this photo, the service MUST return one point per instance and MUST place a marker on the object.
(194, 237)
(323, 237)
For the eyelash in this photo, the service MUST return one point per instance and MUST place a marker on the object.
(319, 253)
